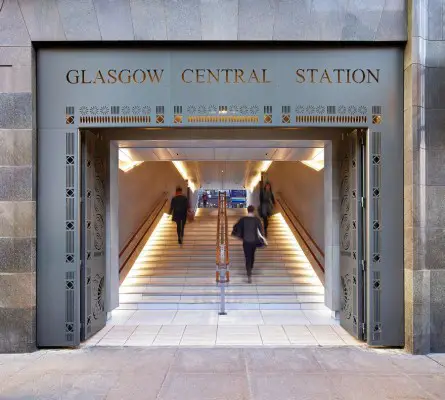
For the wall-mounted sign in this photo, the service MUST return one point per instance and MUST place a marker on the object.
(221, 75)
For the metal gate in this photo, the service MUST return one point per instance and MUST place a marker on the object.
(93, 255)
(352, 230)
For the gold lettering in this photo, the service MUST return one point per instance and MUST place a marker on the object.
(253, 76)
(227, 74)
(83, 76)
(264, 76)
(311, 70)
(300, 76)
(211, 74)
(127, 76)
(72, 78)
(99, 76)
(199, 75)
(143, 76)
(325, 76)
(354, 76)
(156, 76)
(348, 76)
(376, 76)
(183, 75)
(338, 74)
(239, 74)
(112, 74)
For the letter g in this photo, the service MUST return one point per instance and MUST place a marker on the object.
(72, 76)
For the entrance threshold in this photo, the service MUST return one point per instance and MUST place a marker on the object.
(238, 328)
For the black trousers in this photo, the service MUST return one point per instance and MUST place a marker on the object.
(265, 223)
(180, 225)
(249, 254)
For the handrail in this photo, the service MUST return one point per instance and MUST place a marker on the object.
(222, 234)
(218, 225)
(129, 241)
(302, 227)
(302, 238)
(159, 209)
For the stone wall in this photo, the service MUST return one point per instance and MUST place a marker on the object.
(17, 184)
(425, 178)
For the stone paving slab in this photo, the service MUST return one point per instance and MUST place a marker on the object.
(254, 373)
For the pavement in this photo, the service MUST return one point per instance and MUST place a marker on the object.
(222, 373)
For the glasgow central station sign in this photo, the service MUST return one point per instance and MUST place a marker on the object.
(165, 87)
(222, 76)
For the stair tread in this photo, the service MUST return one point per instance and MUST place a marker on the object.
(169, 276)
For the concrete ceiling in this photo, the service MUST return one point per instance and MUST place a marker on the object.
(222, 164)
(222, 153)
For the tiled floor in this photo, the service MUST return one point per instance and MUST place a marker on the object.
(207, 328)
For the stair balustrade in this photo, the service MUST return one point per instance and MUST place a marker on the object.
(222, 250)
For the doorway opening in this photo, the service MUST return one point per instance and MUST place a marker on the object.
(318, 179)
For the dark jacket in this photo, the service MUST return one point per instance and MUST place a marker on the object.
(179, 207)
(247, 229)
(267, 201)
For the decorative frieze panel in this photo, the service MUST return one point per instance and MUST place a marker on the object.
(191, 114)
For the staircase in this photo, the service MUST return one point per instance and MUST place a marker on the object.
(169, 277)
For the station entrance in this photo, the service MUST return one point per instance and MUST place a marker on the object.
(156, 274)
(82, 260)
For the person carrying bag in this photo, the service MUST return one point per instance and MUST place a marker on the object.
(250, 230)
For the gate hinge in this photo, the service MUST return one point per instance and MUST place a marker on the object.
(363, 263)
(362, 202)
(363, 328)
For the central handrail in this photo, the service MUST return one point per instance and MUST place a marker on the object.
(222, 232)
(222, 250)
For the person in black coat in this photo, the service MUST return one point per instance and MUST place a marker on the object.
(250, 230)
(179, 207)
(267, 202)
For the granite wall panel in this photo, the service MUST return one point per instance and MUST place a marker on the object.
(435, 20)
(17, 187)
(256, 19)
(424, 178)
(435, 88)
(393, 22)
(362, 19)
(219, 19)
(17, 330)
(42, 20)
(149, 22)
(438, 311)
(183, 19)
(115, 19)
(60, 20)
(15, 110)
(16, 147)
(13, 30)
(79, 19)
(17, 255)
